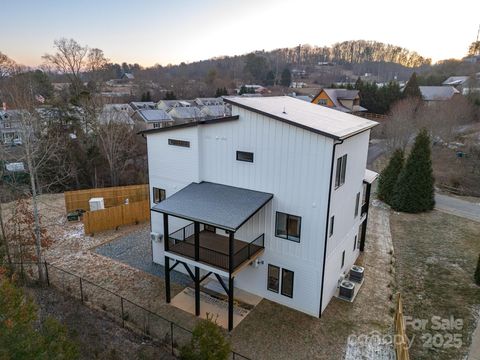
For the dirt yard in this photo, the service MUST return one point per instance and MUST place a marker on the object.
(436, 255)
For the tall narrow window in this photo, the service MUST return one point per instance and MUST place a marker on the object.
(287, 283)
(340, 171)
(332, 223)
(288, 226)
(357, 204)
(158, 195)
(273, 281)
(343, 259)
(355, 243)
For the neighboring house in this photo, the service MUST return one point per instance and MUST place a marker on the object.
(170, 104)
(339, 99)
(128, 76)
(272, 200)
(464, 84)
(141, 105)
(153, 118)
(438, 93)
(116, 113)
(456, 81)
(306, 98)
(257, 89)
(183, 113)
(215, 111)
(10, 126)
(208, 101)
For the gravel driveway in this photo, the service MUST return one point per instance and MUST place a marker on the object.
(135, 249)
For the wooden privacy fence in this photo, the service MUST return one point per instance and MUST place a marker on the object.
(401, 340)
(113, 217)
(112, 196)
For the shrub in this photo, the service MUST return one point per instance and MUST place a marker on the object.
(207, 343)
(414, 191)
(389, 176)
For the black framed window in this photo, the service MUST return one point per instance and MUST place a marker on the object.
(181, 143)
(288, 226)
(343, 259)
(245, 156)
(332, 223)
(273, 281)
(209, 228)
(340, 171)
(287, 283)
(357, 204)
(355, 243)
(158, 195)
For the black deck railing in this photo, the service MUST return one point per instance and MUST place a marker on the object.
(181, 242)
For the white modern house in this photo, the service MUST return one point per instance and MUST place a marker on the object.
(272, 200)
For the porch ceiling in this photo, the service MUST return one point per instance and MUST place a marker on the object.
(222, 206)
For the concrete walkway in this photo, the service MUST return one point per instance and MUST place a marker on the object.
(459, 207)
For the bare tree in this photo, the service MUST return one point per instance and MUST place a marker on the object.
(401, 123)
(70, 59)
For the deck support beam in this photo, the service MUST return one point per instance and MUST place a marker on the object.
(196, 227)
(364, 225)
(167, 259)
(231, 264)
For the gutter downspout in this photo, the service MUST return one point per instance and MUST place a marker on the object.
(327, 223)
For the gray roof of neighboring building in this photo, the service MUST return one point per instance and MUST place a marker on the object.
(208, 101)
(341, 94)
(437, 93)
(154, 115)
(222, 206)
(216, 110)
(456, 80)
(137, 105)
(318, 119)
(181, 112)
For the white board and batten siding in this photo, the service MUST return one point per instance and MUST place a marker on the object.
(290, 162)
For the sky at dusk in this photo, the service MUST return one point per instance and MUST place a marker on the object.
(149, 32)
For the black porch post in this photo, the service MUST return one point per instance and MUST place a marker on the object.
(230, 279)
(167, 259)
(196, 226)
(364, 225)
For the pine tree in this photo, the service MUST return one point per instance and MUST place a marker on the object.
(477, 272)
(286, 78)
(414, 191)
(389, 176)
(270, 79)
(412, 89)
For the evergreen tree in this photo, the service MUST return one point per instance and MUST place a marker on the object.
(286, 78)
(170, 95)
(389, 177)
(414, 191)
(477, 272)
(221, 92)
(270, 79)
(412, 89)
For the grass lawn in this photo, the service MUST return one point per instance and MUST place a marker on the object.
(436, 255)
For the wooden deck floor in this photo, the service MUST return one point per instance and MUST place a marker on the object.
(214, 249)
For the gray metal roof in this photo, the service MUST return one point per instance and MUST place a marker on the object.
(150, 115)
(181, 112)
(223, 206)
(437, 93)
(319, 119)
(456, 80)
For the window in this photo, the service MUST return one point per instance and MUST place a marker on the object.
(210, 228)
(322, 102)
(340, 172)
(273, 278)
(357, 204)
(355, 243)
(343, 259)
(156, 125)
(332, 223)
(288, 226)
(287, 283)
(158, 195)
(244, 156)
(181, 143)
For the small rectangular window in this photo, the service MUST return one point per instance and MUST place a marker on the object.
(332, 223)
(273, 280)
(287, 283)
(288, 226)
(340, 171)
(210, 228)
(158, 195)
(182, 143)
(343, 259)
(244, 156)
(357, 204)
(322, 102)
(156, 125)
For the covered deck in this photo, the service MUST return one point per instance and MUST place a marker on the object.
(211, 207)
